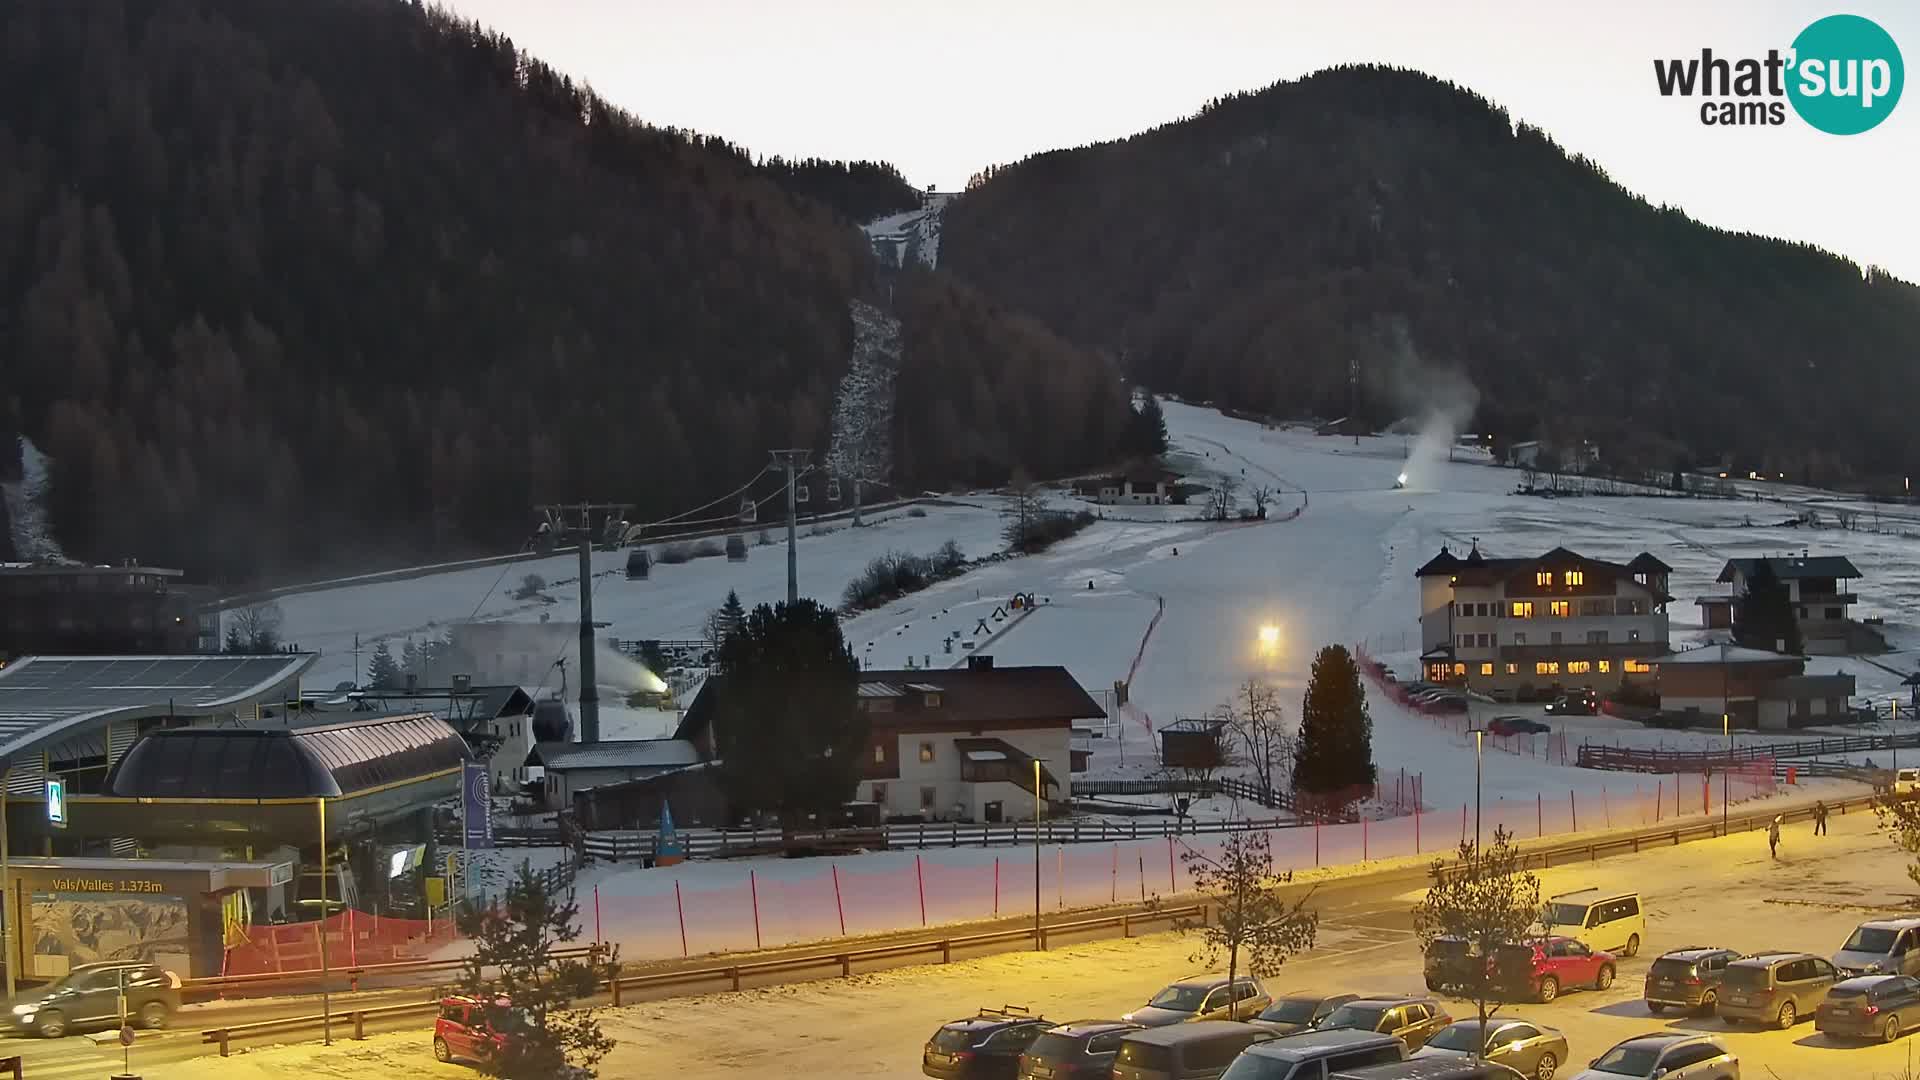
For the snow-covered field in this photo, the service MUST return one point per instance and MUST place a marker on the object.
(1340, 570)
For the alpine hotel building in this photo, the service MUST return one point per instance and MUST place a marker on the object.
(1561, 619)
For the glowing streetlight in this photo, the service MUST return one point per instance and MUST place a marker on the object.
(1269, 637)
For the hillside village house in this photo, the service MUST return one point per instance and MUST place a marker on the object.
(1152, 487)
(1814, 588)
(574, 767)
(957, 744)
(1560, 619)
(1755, 688)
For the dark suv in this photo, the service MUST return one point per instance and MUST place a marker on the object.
(89, 997)
(986, 1046)
(1082, 1050)
(1775, 988)
(1453, 964)
(1687, 978)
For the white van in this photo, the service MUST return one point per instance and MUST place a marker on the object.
(1906, 781)
(1604, 921)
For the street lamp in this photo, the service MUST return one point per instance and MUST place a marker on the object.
(1727, 767)
(1479, 742)
(1038, 941)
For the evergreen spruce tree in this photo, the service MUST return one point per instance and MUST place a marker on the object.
(790, 740)
(1763, 616)
(1335, 753)
(733, 615)
(409, 659)
(1149, 428)
(235, 644)
(383, 673)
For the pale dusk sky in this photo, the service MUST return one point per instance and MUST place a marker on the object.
(941, 90)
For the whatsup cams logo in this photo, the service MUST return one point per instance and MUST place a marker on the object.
(1843, 75)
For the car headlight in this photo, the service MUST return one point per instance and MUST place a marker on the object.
(1872, 969)
(23, 1010)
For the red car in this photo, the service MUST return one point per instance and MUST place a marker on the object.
(1545, 966)
(469, 1029)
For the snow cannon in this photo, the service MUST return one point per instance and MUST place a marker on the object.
(1400, 481)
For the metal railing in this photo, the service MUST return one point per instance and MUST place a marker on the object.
(845, 959)
(355, 1018)
(1630, 759)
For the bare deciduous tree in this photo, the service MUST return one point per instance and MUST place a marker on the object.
(1261, 494)
(1223, 499)
(1256, 721)
(258, 626)
(1253, 917)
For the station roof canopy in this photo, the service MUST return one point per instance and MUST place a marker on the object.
(46, 699)
(330, 761)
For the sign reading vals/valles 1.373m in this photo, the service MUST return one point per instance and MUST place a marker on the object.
(67, 885)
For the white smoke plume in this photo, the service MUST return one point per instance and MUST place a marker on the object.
(1437, 403)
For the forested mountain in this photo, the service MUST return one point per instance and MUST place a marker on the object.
(288, 285)
(1247, 254)
(860, 190)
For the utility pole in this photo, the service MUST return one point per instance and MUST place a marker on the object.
(1353, 396)
(589, 677)
(793, 461)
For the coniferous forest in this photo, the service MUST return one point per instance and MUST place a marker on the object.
(1248, 254)
(299, 285)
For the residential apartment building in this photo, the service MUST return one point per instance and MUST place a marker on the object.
(73, 609)
(1561, 619)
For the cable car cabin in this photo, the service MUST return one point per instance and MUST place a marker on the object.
(833, 489)
(749, 513)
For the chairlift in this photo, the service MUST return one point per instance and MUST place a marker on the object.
(749, 513)
(833, 489)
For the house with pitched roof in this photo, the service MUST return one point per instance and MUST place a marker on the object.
(1818, 589)
(954, 744)
(1558, 619)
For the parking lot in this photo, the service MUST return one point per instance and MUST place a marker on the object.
(1708, 893)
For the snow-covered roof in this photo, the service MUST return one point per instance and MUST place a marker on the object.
(622, 754)
(986, 755)
(1724, 654)
(1789, 569)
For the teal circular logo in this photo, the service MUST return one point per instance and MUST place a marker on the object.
(1846, 74)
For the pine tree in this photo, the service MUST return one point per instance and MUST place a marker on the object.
(790, 740)
(410, 659)
(733, 616)
(382, 672)
(1147, 428)
(1335, 754)
(235, 644)
(1763, 616)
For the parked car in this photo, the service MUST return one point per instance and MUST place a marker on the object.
(1412, 1020)
(89, 997)
(1879, 1007)
(1310, 1055)
(1082, 1050)
(1300, 1012)
(1460, 1068)
(1687, 979)
(1542, 968)
(985, 1046)
(1517, 725)
(473, 1029)
(1667, 1055)
(1526, 1047)
(1881, 947)
(1198, 1051)
(1448, 703)
(1203, 997)
(1776, 988)
(1575, 703)
(1599, 920)
(1906, 781)
(1452, 963)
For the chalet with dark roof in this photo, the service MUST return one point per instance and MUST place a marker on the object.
(955, 744)
(1820, 590)
(1558, 619)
